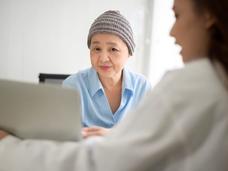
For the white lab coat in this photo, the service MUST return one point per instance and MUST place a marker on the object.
(181, 126)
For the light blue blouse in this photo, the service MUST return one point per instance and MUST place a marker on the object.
(95, 106)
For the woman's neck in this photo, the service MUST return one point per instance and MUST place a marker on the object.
(111, 83)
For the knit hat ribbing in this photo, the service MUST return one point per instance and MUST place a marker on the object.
(115, 23)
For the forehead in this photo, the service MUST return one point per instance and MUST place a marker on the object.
(106, 38)
(182, 5)
(104, 35)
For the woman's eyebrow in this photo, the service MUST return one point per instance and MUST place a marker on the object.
(95, 42)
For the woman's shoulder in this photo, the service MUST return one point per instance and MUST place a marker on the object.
(197, 79)
(134, 75)
(77, 78)
(79, 74)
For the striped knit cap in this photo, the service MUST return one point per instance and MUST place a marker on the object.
(115, 23)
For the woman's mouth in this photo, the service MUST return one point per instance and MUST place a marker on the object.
(105, 68)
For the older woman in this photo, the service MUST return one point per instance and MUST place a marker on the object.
(108, 89)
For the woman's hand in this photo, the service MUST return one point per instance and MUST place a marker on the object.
(3, 134)
(94, 131)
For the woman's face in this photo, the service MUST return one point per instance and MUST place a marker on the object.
(191, 30)
(108, 54)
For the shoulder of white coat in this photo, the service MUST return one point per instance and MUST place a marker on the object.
(197, 78)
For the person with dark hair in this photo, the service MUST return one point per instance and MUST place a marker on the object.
(190, 106)
(108, 89)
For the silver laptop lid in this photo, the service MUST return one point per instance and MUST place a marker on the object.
(38, 111)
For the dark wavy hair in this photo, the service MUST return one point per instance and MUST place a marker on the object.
(218, 50)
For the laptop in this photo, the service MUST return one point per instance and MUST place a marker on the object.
(40, 111)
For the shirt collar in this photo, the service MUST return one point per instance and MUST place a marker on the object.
(94, 82)
(127, 81)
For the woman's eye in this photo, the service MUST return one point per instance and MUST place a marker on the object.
(96, 49)
(114, 49)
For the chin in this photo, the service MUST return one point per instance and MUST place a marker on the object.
(104, 74)
(191, 58)
(185, 58)
(182, 57)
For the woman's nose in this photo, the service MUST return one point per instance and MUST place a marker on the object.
(104, 56)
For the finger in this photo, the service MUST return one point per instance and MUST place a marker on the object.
(90, 134)
(3, 134)
(94, 128)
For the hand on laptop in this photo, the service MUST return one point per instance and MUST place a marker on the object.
(3, 134)
(94, 131)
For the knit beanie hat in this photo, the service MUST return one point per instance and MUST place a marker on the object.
(115, 23)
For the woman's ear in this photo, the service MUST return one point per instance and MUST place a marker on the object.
(210, 20)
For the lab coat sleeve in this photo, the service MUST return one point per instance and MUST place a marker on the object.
(27, 155)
